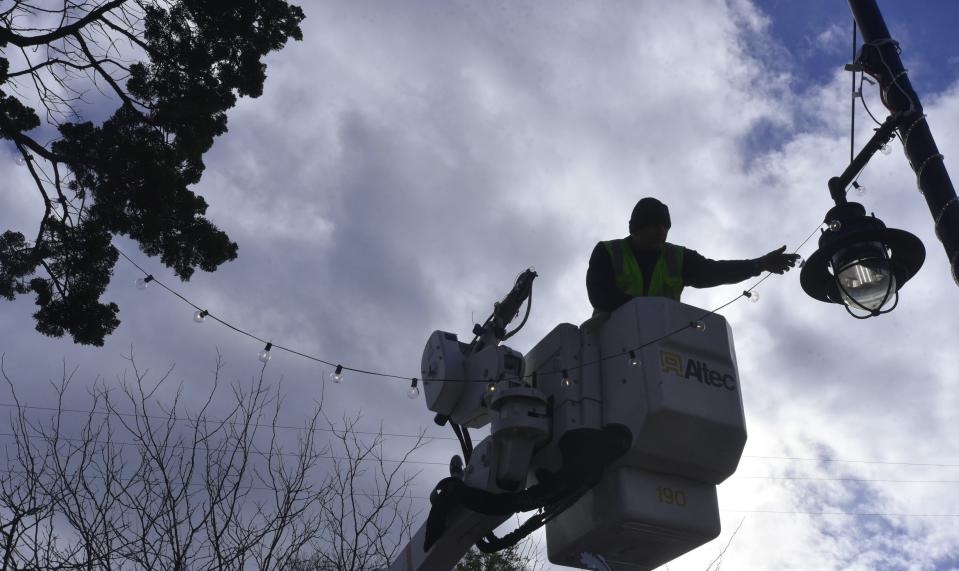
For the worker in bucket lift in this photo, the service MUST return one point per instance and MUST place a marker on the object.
(645, 264)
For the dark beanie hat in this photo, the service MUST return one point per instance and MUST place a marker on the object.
(649, 212)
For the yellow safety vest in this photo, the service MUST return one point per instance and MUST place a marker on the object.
(667, 278)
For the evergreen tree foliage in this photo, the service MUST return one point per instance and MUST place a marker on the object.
(173, 68)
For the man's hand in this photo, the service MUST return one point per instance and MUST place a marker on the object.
(777, 261)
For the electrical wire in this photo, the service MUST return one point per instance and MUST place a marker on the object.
(862, 99)
(253, 450)
(426, 498)
(745, 456)
(852, 113)
(167, 418)
(840, 513)
(466, 446)
(894, 79)
(429, 439)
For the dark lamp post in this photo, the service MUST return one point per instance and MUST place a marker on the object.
(860, 262)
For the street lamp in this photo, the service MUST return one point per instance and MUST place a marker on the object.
(860, 262)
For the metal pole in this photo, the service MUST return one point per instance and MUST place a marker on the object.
(880, 56)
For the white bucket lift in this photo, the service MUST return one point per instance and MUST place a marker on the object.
(661, 371)
(681, 402)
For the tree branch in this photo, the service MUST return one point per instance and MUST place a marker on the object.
(18, 137)
(59, 61)
(130, 36)
(106, 76)
(7, 36)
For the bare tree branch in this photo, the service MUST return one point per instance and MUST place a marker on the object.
(7, 36)
(144, 482)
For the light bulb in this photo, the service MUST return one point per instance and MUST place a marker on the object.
(752, 296)
(337, 375)
(859, 188)
(20, 160)
(264, 355)
(633, 360)
(567, 382)
(143, 283)
(413, 391)
(865, 276)
(835, 225)
(699, 325)
(199, 315)
(801, 262)
(885, 149)
(491, 387)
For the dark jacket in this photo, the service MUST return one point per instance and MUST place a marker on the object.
(698, 271)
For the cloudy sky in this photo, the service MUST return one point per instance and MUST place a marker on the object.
(409, 159)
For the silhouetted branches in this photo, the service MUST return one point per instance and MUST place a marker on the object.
(144, 482)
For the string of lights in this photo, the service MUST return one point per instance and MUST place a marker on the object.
(201, 314)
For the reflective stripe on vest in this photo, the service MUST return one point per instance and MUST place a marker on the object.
(667, 278)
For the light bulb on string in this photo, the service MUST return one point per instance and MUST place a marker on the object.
(567, 382)
(633, 359)
(200, 315)
(143, 283)
(835, 225)
(752, 296)
(264, 355)
(860, 189)
(886, 149)
(20, 160)
(337, 375)
(491, 387)
(698, 325)
(413, 391)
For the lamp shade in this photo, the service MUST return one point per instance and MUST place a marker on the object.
(860, 262)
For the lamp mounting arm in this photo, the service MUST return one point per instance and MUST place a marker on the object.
(882, 136)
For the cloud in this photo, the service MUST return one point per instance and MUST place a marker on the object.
(407, 161)
(833, 40)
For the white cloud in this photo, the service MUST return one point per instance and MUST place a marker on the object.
(832, 40)
(408, 160)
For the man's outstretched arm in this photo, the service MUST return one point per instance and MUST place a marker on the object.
(699, 271)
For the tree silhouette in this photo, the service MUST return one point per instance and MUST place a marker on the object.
(172, 68)
(127, 479)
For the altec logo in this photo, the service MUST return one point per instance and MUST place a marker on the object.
(692, 369)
